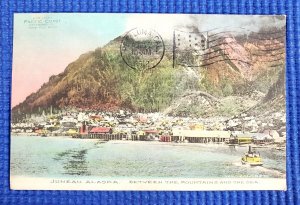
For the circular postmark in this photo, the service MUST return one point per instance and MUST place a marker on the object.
(142, 48)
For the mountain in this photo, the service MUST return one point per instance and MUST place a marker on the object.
(232, 67)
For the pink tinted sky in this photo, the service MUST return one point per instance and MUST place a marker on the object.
(43, 51)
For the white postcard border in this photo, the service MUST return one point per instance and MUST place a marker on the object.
(171, 184)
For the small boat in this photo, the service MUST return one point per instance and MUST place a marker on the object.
(252, 158)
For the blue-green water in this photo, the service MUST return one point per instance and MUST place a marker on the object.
(63, 157)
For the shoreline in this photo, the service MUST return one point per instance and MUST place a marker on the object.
(269, 146)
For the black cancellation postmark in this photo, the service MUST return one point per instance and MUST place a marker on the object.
(142, 49)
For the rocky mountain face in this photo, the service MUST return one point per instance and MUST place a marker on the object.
(236, 73)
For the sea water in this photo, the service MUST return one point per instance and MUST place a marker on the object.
(34, 156)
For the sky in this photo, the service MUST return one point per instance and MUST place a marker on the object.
(44, 44)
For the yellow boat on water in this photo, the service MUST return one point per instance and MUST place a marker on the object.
(252, 158)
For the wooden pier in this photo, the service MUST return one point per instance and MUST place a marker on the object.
(132, 137)
(170, 138)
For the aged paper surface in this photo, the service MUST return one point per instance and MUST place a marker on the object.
(148, 102)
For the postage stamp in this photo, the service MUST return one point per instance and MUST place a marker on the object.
(148, 102)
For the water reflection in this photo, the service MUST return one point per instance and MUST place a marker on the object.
(74, 162)
(232, 149)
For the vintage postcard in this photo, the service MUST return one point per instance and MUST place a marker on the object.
(148, 102)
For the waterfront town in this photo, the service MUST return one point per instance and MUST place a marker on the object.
(124, 125)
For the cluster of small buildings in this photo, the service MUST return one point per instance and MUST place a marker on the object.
(140, 126)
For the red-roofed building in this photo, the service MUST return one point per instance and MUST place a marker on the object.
(101, 130)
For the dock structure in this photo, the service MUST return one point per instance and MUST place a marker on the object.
(101, 136)
(192, 136)
(107, 136)
(200, 136)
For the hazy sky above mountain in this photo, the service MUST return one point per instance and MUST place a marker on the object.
(44, 44)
